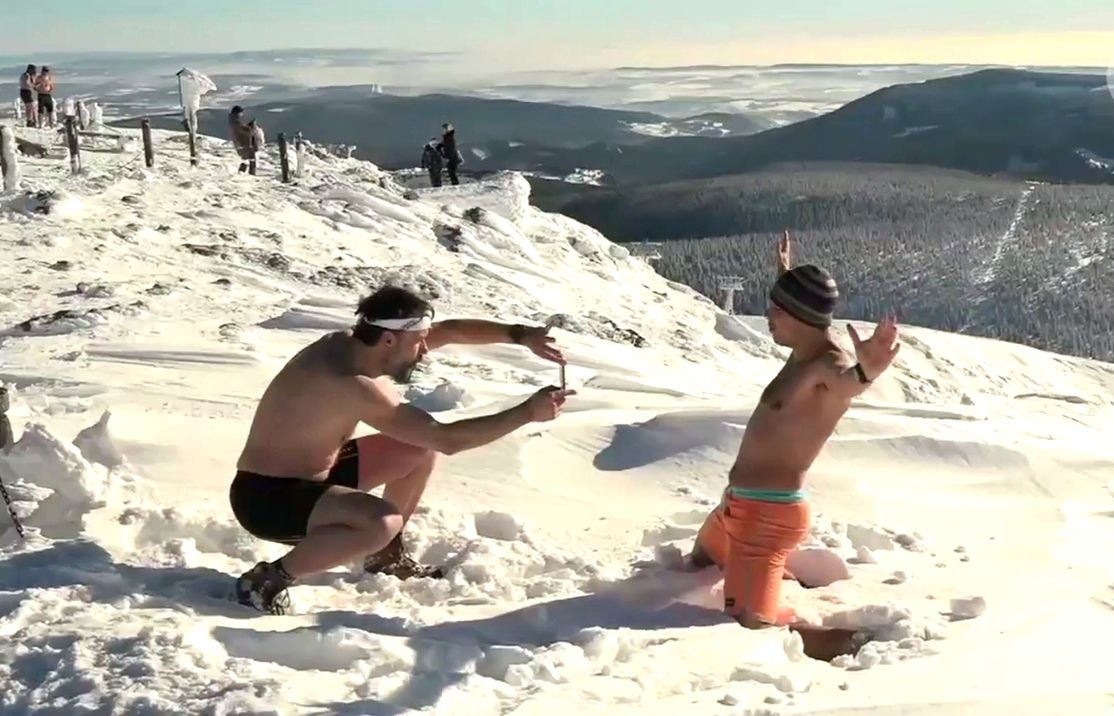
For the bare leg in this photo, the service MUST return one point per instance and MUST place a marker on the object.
(344, 525)
(403, 469)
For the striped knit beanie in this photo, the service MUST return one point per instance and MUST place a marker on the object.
(808, 293)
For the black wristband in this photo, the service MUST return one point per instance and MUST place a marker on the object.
(862, 375)
(516, 332)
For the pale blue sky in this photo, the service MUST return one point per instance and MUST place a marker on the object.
(580, 33)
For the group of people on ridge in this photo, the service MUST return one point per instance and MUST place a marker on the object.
(36, 92)
(303, 480)
(442, 154)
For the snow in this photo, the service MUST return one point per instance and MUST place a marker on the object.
(594, 177)
(143, 312)
(1095, 160)
(910, 131)
(10, 161)
(654, 129)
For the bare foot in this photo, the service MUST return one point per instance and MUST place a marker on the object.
(826, 643)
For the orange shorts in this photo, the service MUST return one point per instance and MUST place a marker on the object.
(750, 540)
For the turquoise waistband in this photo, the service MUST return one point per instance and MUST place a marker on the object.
(787, 496)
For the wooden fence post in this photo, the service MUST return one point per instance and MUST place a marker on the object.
(75, 149)
(148, 147)
(299, 150)
(193, 142)
(4, 154)
(284, 158)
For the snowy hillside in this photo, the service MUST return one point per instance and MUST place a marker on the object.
(142, 313)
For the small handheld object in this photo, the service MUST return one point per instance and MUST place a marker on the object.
(562, 376)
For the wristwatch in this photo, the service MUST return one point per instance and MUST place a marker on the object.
(862, 375)
(517, 332)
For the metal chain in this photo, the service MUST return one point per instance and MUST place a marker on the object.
(11, 510)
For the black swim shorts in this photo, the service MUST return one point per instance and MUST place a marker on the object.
(277, 509)
(46, 103)
(26, 96)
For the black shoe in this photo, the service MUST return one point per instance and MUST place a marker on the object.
(264, 588)
(393, 561)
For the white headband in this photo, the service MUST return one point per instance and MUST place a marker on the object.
(417, 323)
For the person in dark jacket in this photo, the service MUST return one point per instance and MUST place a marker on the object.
(27, 95)
(453, 158)
(240, 134)
(432, 161)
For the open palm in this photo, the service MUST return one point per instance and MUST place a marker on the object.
(876, 353)
(784, 252)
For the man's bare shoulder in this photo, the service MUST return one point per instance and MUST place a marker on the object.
(829, 364)
(378, 390)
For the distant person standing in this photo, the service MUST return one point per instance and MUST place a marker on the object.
(44, 85)
(432, 161)
(453, 158)
(240, 134)
(27, 95)
(256, 142)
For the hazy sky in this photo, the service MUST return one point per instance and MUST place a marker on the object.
(495, 35)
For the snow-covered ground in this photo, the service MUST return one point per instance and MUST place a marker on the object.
(963, 509)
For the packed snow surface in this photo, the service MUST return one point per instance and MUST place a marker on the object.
(963, 510)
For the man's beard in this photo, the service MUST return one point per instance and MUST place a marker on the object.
(404, 373)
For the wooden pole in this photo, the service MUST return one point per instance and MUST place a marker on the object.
(75, 150)
(299, 149)
(284, 158)
(4, 168)
(193, 142)
(148, 147)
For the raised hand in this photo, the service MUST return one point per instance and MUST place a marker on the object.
(546, 404)
(876, 353)
(538, 340)
(784, 253)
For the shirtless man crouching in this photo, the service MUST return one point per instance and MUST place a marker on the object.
(764, 515)
(303, 481)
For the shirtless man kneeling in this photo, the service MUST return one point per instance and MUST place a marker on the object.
(764, 515)
(303, 481)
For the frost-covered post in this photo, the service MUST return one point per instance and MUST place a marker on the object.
(148, 148)
(6, 441)
(193, 144)
(284, 158)
(19, 111)
(71, 141)
(9, 159)
(191, 85)
(299, 153)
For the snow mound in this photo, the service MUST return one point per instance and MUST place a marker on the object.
(96, 444)
(54, 487)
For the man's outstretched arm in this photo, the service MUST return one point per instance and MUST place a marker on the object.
(874, 356)
(413, 426)
(473, 332)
